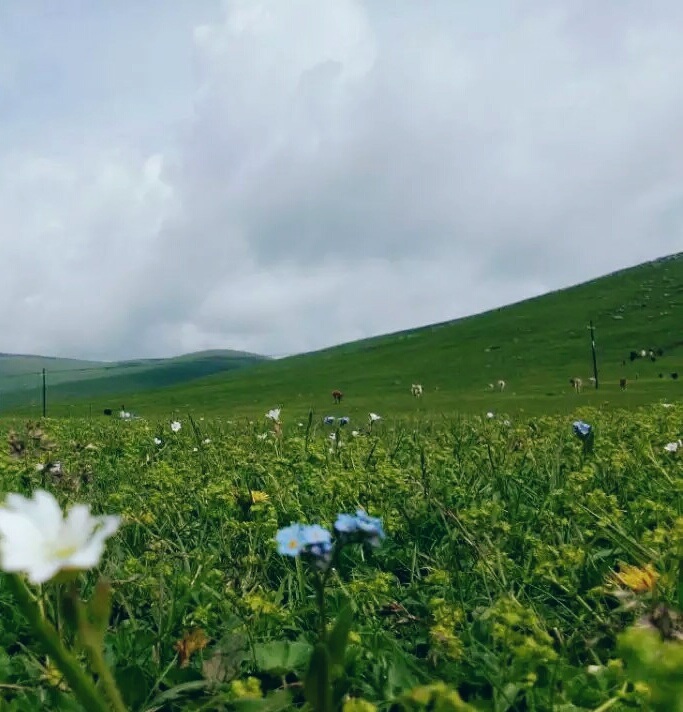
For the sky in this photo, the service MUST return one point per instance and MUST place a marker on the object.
(285, 175)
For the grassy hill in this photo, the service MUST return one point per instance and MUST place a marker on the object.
(70, 379)
(536, 346)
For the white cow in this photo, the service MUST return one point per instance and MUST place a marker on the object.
(416, 389)
(501, 385)
(577, 383)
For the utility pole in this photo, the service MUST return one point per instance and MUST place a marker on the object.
(595, 361)
(44, 395)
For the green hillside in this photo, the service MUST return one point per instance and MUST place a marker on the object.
(69, 379)
(536, 346)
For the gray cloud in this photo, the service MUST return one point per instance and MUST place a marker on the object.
(330, 170)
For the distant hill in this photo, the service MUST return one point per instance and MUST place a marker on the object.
(67, 379)
(535, 345)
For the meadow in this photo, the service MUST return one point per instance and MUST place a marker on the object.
(525, 563)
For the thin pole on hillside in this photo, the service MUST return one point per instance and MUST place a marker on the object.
(44, 395)
(595, 360)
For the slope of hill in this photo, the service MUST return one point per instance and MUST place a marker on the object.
(536, 346)
(69, 379)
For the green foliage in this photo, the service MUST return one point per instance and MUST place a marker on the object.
(502, 584)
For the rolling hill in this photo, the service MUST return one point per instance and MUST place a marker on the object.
(535, 345)
(71, 379)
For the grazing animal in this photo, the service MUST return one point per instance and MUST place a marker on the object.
(107, 411)
(501, 385)
(416, 389)
(491, 386)
(674, 375)
(622, 384)
(337, 395)
(592, 380)
(577, 383)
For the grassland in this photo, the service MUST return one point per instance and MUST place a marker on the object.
(536, 346)
(502, 584)
(71, 380)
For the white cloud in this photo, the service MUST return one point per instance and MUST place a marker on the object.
(347, 169)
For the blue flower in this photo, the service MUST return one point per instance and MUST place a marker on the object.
(291, 540)
(346, 524)
(582, 429)
(362, 525)
(328, 420)
(315, 535)
(371, 526)
(344, 420)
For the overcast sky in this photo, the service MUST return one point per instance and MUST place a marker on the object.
(282, 176)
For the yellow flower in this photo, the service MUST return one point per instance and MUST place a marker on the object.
(258, 497)
(189, 644)
(637, 579)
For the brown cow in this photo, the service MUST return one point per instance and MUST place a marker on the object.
(337, 395)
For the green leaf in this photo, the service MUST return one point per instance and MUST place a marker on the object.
(339, 637)
(317, 683)
(133, 684)
(281, 656)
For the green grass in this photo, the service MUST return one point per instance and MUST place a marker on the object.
(496, 576)
(536, 346)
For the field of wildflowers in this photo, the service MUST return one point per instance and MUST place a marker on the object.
(470, 564)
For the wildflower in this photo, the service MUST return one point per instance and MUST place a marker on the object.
(667, 405)
(355, 433)
(291, 540)
(262, 436)
(157, 441)
(301, 425)
(673, 447)
(258, 497)
(374, 417)
(274, 414)
(344, 420)
(175, 426)
(361, 524)
(637, 579)
(582, 429)
(318, 544)
(489, 415)
(35, 538)
(332, 436)
(189, 644)
(206, 441)
(328, 420)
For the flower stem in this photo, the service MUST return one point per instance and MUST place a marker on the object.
(106, 678)
(82, 686)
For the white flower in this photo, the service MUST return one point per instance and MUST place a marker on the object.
(37, 540)
(355, 433)
(157, 441)
(273, 414)
(332, 436)
(207, 441)
(673, 447)
(262, 436)
(595, 669)
(374, 417)
(40, 467)
(507, 423)
(667, 405)
(489, 415)
(175, 426)
(194, 449)
(301, 425)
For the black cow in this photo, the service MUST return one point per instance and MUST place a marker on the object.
(107, 411)
(674, 375)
